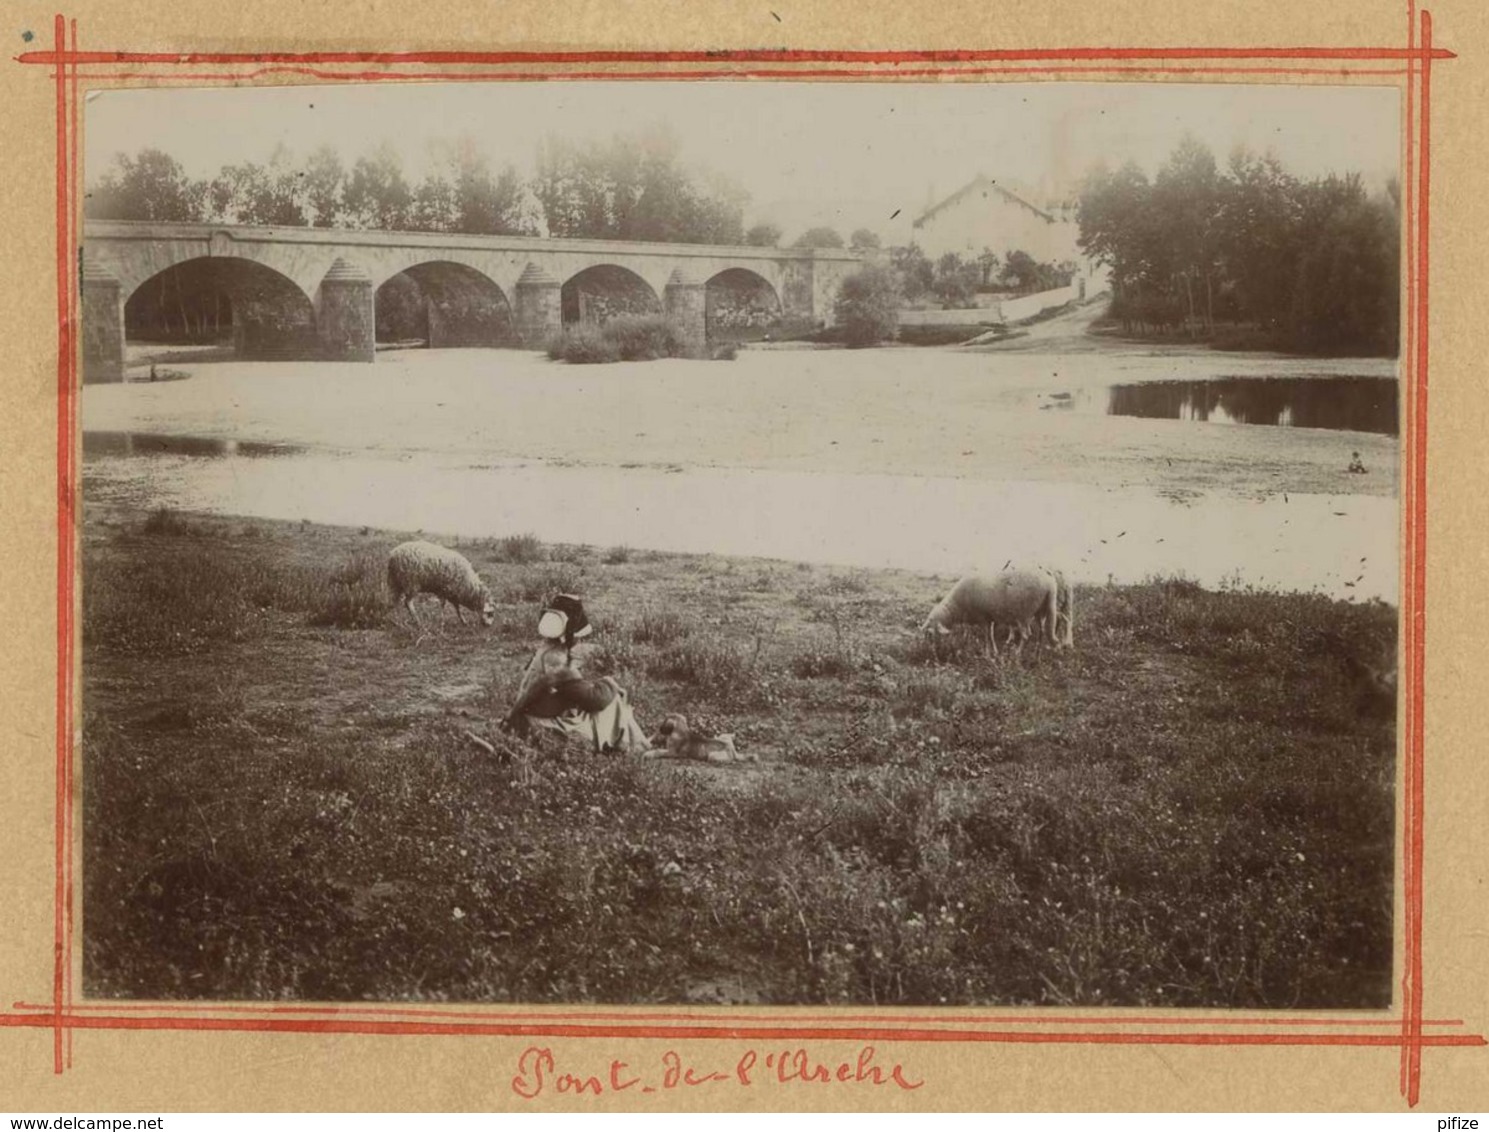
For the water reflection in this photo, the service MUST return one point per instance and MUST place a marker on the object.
(1359, 404)
(99, 444)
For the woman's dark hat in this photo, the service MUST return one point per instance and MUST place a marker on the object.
(564, 618)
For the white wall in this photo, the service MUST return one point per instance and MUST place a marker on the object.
(985, 218)
(1004, 310)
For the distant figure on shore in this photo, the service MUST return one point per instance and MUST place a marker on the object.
(152, 371)
(1355, 465)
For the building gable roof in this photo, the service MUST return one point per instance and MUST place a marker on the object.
(981, 181)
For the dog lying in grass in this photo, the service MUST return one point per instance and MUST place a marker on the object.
(684, 743)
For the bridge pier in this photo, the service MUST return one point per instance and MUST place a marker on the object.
(538, 307)
(346, 322)
(103, 324)
(685, 300)
(798, 293)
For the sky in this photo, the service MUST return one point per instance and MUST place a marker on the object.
(848, 155)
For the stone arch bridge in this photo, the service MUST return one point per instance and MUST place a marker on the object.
(315, 292)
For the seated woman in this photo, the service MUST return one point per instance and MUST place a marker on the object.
(556, 696)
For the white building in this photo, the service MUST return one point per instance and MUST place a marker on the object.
(986, 215)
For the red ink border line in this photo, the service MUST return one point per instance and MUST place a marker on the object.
(897, 1017)
(760, 55)
(66, 479)
(64, 1016)
(1416, 629)
(75, 304)
(938, 73)
(702, 1031)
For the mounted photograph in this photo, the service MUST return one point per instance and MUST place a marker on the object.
(877, 544)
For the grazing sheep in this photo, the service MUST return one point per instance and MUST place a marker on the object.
(422, 567)
(1063, 633)
(1013, 598)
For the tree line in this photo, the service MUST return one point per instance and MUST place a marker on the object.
(1308, 265)
(953, 280)
(632, 187)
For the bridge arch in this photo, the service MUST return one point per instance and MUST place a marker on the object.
(443, 304)
(740, 305)
(340, 271)
(224, 302)
(604, 291)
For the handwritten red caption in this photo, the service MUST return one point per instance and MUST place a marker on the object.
(539, 1073)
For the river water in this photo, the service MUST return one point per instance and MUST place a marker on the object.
(1341, 545)
(941, 461)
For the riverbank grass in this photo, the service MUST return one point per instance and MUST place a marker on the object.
(281, 800)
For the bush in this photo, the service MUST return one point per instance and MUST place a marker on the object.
(585, 344)
(660, 627)
(538, 583)
(521, 548)
(352, 597)
(361, 605)
(868, 307)
(629, 338)
(640, 338)
(164, 521)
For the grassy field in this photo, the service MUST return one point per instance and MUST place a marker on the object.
(1194, 807)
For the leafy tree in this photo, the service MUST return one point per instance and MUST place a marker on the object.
(1258, 236)
(402, 310)
(956, 280)
(479, 201)
(634, 188)
(987, 265)
(377, 194)
(1346, 294)
(1186, 194)
(914, 273)
(150, 186)
(863, 239)
(1023, 271)
(822, 237)
(1316, 264)
(434, 208)
(271, 195)
(868, 306)
(1119, 226)
(570, 188)
(324, 182)
(763, 236)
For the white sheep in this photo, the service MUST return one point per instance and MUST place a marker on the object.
(1015, 599)
(422, 567)
(1064, 631)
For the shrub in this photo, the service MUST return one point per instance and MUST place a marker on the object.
(164, 521)
(660, 627)
(351, 596)
(820, 663)
(868, 306)
(540, 583)
(360, 605)
(521, 548)
(641, 338)
(570, 552)
(629, 338)
(196, 598)
(706, 663)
